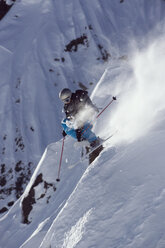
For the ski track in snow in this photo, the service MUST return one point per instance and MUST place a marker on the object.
(119, 200)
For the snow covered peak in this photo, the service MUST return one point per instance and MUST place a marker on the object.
(110, 48)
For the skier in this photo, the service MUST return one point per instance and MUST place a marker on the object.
(79, 111)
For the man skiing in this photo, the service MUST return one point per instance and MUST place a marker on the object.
(80, 111)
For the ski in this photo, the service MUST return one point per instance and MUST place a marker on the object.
(87, 156)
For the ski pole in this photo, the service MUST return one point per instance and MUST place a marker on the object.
(113, 99)
(58, 178)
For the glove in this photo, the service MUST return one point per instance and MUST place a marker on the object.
(64, 134)
(78, 134)
(114, 97)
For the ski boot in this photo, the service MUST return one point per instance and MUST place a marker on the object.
(97, 147)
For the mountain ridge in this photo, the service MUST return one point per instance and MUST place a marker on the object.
(102, 46)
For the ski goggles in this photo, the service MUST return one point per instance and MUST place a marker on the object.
(66, 100)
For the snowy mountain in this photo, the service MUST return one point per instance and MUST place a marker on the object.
(111, 48)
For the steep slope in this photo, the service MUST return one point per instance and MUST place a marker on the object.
(47, 45)
(76, 44)
(125, 185)
(119, 202)
(36, 64)
(41, 201)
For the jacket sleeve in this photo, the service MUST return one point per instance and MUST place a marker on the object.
(88, 101)
(83, 97)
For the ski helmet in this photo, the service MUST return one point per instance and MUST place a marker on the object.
(65, 95)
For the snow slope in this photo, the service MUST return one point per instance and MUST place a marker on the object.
(119, 200)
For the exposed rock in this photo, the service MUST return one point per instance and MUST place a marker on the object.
(73, 45)
(4, 8)
(3, 210)
(30, 200)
